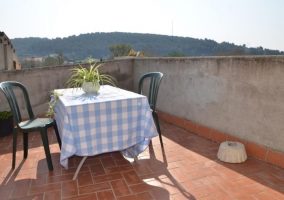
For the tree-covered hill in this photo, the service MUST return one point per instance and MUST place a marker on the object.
(96, 45)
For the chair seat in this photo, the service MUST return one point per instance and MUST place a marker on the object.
(36, 124)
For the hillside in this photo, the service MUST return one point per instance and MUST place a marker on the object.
(96, 45)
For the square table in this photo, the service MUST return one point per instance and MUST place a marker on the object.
(113, 120)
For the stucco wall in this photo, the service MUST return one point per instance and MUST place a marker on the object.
(41, 81)
(240, 96)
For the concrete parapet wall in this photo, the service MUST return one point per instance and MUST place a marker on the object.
(241, 96)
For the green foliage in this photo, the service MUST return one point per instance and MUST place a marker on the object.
(60, 57)
(236, 52)
(50, 112)
(176, 54)
(50, 61)
(97, 46)
(5, 114)
(80, 75)
(120, 49)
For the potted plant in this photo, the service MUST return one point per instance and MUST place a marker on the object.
(6, 123)
(89, 79)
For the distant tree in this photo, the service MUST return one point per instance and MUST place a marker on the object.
(50, 61)
(176, 54)
(149, 52)
(236, 52)
(60, 57)
(97, 45)
(120, 49)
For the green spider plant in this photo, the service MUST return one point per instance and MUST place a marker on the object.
(80, 75)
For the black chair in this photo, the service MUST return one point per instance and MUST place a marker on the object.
(155, 80)
(32, 125)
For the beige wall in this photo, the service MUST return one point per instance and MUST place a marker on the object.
(240, 96)
(7, 54)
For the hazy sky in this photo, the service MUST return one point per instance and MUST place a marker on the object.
(251, 22)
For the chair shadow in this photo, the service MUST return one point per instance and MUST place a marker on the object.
(163, 174)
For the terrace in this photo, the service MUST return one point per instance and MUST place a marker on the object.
(202, 102)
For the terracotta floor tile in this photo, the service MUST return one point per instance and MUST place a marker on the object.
(117, 156)
(97, 169)
(275, 192)
(242, 181)
(118, 169)
(21, 188)
(131, 177)
(56, 179)
(141, 169)
(94, 188)
(171, 185)
(278, 181)
(197, 193)
(44, 188)
(143, 187)
(179, 175)
(29, 197)
(73, 170)
(227, 173)
(245, 191)
(108, 194)
(120, 187)
(186, 168)
(160, 193)
(122, 162)
(155, 176)
(202, 173)
(83, 197)
(264, 196)
(129, 197)
(108, 162)
(92, 160)
(144, 196)
(84, 178)
(217, 192)
(107, 177)
(251, 170)
(53, 195)
(223, 183)
(69, 188)
(5, 194)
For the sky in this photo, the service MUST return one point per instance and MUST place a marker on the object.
(251, 22)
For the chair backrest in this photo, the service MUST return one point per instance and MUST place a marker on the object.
(8, 88)
(155, 80)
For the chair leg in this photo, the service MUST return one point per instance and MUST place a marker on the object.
(155, 116)
(46, 149)
(57, 133)
(15, 135)
(26, 144)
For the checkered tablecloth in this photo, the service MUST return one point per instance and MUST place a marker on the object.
(114, 120)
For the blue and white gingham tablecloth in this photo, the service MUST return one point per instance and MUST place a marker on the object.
(114, 120)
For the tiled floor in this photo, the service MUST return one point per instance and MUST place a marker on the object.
(187, 168)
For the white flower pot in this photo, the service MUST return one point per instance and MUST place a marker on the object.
(91, 87)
